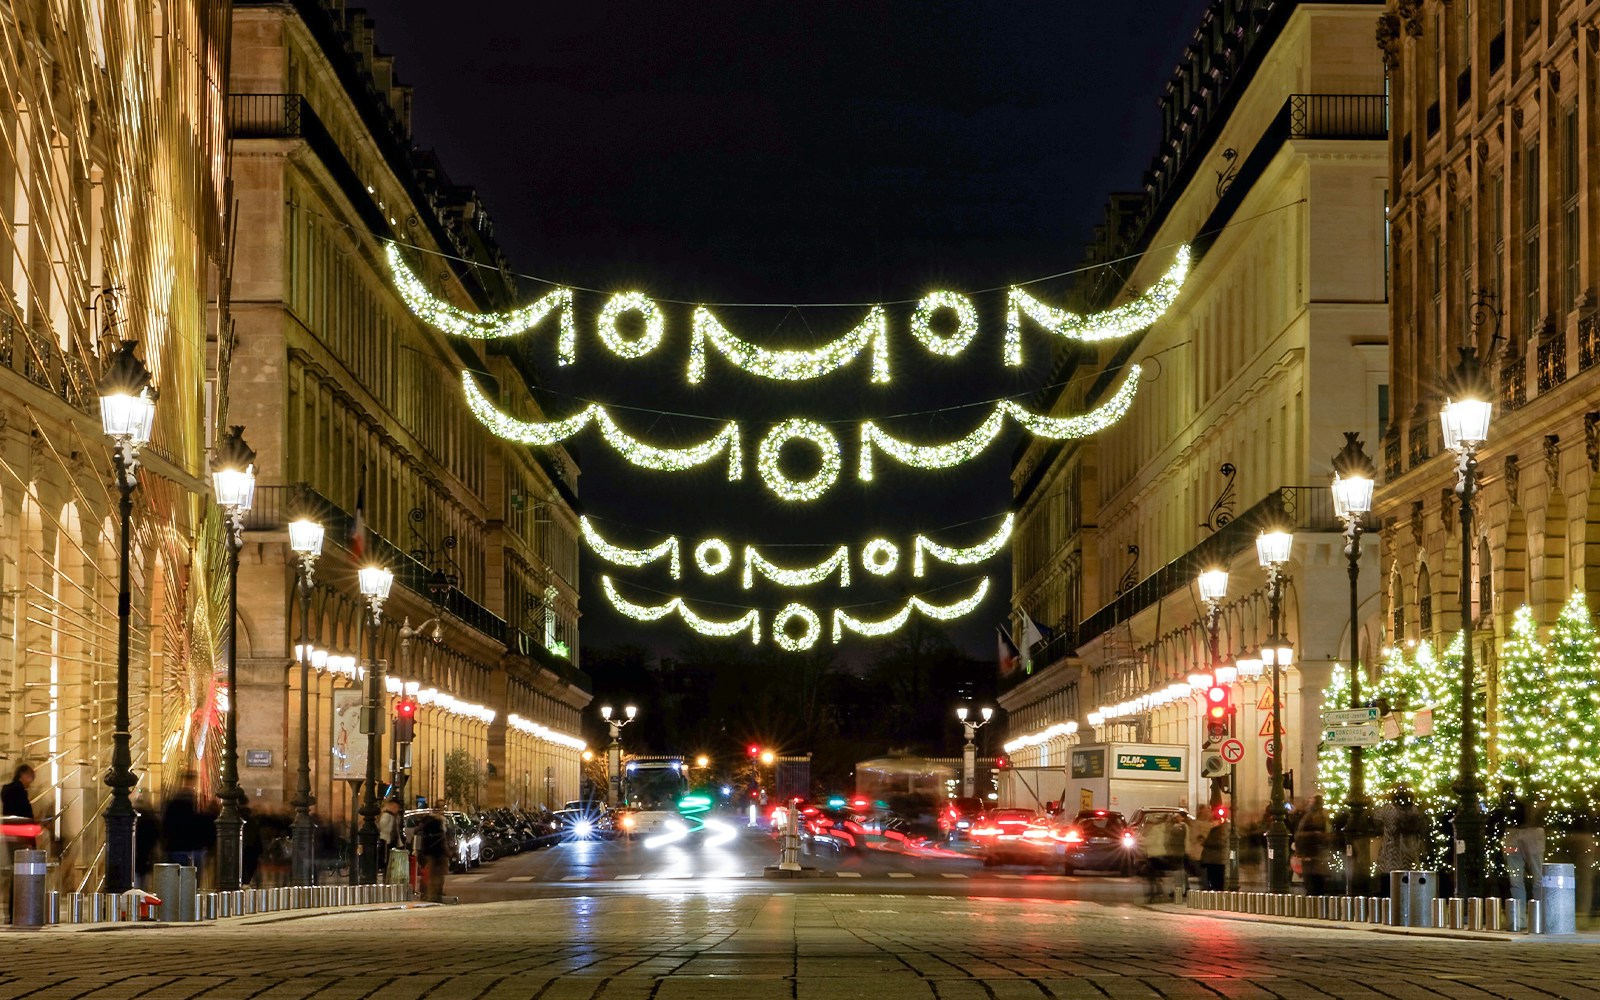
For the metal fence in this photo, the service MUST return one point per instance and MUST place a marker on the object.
(1338, 116)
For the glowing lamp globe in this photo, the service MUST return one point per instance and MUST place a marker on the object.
(127, 399)
(1465, 422)
(1273, 547)
(1213, 585)
(233, 472)
(375, 582)
(305, 537)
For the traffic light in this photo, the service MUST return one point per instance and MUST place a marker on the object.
(405, 720)
(753, 750)
(1219, 813)
(1219, 711)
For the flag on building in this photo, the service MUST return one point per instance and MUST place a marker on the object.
(358, 526)
(1008, 652)
(1032, 636)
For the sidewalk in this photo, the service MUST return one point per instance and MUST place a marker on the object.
(1590, 935)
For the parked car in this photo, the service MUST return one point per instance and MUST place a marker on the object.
(1098, 840)
(463, 846)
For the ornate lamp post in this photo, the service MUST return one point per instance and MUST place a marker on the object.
(1465, 416)
(969, 752)
(375, 583)
(1273, 549)
(127, 414)
(614, 752)
(233, 483)
(305, 541)
(1213, 584)
(1353, 476)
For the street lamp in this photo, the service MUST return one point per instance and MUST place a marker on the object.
(127, 414)
(614, 752)
(1465, 416)
(375, 583)
(969, 752)
(1353, 476)
(305, 541)
(1213, 584)
(233, 484)
(1272, 550)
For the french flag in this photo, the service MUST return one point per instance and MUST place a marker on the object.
(1008, 652)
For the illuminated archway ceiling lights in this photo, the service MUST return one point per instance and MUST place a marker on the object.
(872, 439)
(795, 627)
(879, 557)
(959, 319)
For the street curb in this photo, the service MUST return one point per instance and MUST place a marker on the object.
(1427, 932)
(248, 920)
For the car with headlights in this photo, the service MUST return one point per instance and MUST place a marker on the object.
(958, 816)
(1012, 837)
(463, 845)
(1098, 840)
(580, 824)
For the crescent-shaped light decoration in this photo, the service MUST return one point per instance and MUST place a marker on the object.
(1119, 321)
(751, 619)
(638, 612)
(960, 555)
(526, 432)
(458, 322)
(1084, 424)
(789, 365)
(633, 558)
(844, 621)
(755, 563)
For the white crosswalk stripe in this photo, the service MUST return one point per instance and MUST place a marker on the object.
(902, 875)
(954, 875)
(848, 874)
(629, 878)
(573, 878)
(520, 878)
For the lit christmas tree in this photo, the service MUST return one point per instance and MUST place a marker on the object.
(1567, 762)
(1333, 763)
(1523, 721)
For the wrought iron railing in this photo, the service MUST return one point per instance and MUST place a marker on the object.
(1418, 441)
(1553, 362)
(1513, 384)
(1588, 341)
(291, 116)
(1338, 116)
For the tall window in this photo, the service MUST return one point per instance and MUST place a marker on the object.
(1569, 211)
(1497, 232)
(1530, 238)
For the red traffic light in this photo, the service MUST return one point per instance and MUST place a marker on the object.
(1217, 702)
(406, 708)
(753, 750)
(1219, 813)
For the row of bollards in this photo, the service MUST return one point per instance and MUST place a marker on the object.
(187, 907)
(1475, 914)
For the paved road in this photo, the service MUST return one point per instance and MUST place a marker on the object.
(727, 857)
(752, 944)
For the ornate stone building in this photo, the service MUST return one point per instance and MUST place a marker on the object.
(1493, 155)
(1272, 166)
(112, 181)
(350, 403)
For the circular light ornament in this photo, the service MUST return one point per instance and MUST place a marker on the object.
(807, 638)
(713, 556)
(654, 325)
(956, 341)
(771, 450)
(880, 557)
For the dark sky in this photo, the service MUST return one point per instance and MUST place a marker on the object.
(799, 152)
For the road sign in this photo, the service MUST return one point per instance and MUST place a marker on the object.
(1269, 747)
(1266, 724)
(1265, 701)
(1233, 751)
(1349, 717)
(1364, 735)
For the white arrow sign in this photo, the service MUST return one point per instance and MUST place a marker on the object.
(1365, 735)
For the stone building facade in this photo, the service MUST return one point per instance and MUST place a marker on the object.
(1495, 197)
(1273, 168)
(349, 402)
(112, 181)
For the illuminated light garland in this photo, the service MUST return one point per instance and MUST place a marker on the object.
(482, 326)
(654, 325)
(629, 447)
(770, 453)
(709, 549)
(964, 449)
(844, 621)
(754, 563)
(957, 340)
(880, 557)
(960, 555)
(638, 612)
(635, 558)
(806, 639)
(1121, 321)
(545, 733)
(751, 619)
(792, 365)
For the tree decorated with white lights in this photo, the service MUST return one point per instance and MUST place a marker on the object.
(1522, 722)
(1569, 765)
(1333, 762)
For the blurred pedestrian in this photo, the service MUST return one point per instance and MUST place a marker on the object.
(146, 840)
(1214, 856)
(389, 823)
(1405, 831)
(17, 807)
(1524, 849)
(431, 846)
(187, 830)
(1312, 840)
(1177, 855)
(250, 844)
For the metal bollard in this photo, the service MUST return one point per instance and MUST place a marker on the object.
(1385, 911)
(166, 879)
(113, 908)
(97, 908)
(1516, 915)
(1475, 913)
(1559, 898)
(1441, 914)
(1496, 914)
(1374, 910)
(76, 911)
(1358, 907)
(28, 875)
(1535, 917)
(52, 907)
(1458, 913)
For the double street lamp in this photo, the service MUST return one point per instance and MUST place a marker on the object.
(305, 541)
(127, 414)
(1273, 549)
(614, 751)
(1465, 417)
(233, 484)
(969, 752)
(1353, 477)
(375, 583)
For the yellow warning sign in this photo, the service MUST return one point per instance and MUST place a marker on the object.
(1266, 724)
(1265, 701)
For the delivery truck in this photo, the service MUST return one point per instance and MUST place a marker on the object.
(1120, 777)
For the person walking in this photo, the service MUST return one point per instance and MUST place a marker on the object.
(186, 829)
(1405, 831)
(1524, 850)
(17, 807)
(1214, 856)
(1312, 839)
(389, 823)
(432, 849)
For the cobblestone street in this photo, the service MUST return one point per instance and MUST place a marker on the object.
(756, 946)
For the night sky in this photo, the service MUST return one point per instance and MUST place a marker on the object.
(790, 153)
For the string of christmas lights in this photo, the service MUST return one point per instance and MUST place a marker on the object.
(960, 555)
(755, 563)
(844, 621)
(655, 325)
(712, 556)
(953, 343)
(770, 454)
(881, 557)
(811, 628)
(964, 449)
(458, 322)
(634, 558)
(795, 365)
(1121, 321)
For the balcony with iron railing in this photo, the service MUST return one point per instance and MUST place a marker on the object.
(33, 354)
(275, 506)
